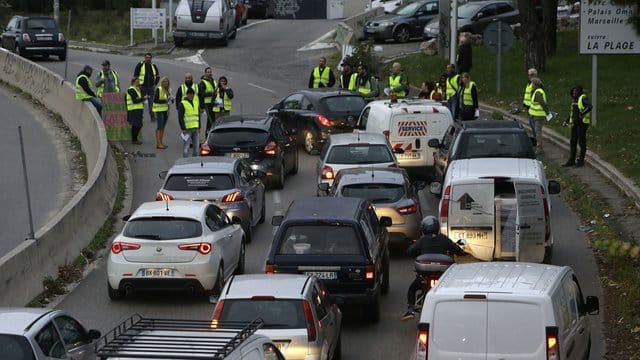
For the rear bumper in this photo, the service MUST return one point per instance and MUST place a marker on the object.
(183, 34)
(43, 50)
(191, 285)
(367, 297)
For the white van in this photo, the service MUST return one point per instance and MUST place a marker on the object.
(205, 20)
(506, 310)
(409, 125)
(499, 206)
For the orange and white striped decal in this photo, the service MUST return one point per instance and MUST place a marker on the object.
(412, 128)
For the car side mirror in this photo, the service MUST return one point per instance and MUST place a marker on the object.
(324, 187)
(434, 143)
(94, 334)
(592, 305)
(236, 220)
(435, 188)
(163, 174)
(553, 187)
(479, 15)
(385, 221)
(277, 220)
(126, 218)
(419, 185)
(398, 150)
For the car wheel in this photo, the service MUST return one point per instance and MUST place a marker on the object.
(262, 212)
(225, 39)
(235, 33)
(217, 288)
(372, 311)
(279, 182)
(402, 34)
(337, 352)
(114, 294)
(309, 141)
(294, 170)
(385, 277)
(241, 259)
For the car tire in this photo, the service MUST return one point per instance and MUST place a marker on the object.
(402, 34)
(294, 170)
(225, 39)
(372, 310)
(309, 141)
(114, 294)
(385, 277)
(234, 34)
(217, 287)
(337, 352)
(263, 212)
(279, 182)
(242, 259)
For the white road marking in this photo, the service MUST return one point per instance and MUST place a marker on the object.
(276, 213)
(262, 88)
(276, 197)
(196, 59)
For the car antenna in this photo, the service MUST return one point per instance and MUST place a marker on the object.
(166, 202)
(201, 163)
(372, 172)
(358, 136)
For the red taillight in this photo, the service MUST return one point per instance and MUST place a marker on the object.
(422, 341)
(547, 218)
(60, 37)
(327, 172)
(433, 281)
(205, 149)
(202, 248)
(386, 133)
(268, 269)
(444, 211)
(26, 37)
(553, 346)
(234, 196)
(311, 325)
(163, 197)
(370, 273)
(322, 120)
(175, 21)
(406, 210)
(118, 247)
(216, 314)
(221, 23)
(271, 148)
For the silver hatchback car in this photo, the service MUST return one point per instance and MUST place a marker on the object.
(229, 183)
(36, 333)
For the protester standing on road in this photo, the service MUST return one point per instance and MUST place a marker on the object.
(108, 81)
(206, 90)
(364, 83)
(526, 98)
(579, 118)
(222, 97)
(84, 91)
(441, 86)
(348, 77)
(469, 108)
(453, 88)
(429, 91)
(161, 100)
(398, 81)
(182, 90)
(321, 75)
(149, 76)
(135, 109)
(189, 120)
(538, 111)
(464, 58)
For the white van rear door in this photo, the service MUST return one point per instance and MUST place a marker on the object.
(409, 133)
(459, 330)
(472, 217)
(530, 226)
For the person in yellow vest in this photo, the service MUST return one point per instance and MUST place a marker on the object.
(526, 97)
(348, 77)
(182, 89)
(321, 75)
(538, 111)
(398, 81)
(135, 109)
(149, 76)
(189, 120)
(453, 90)
(84, 91)
(222, 97)
(579, 118)
(161, 100)
(108, 81)
(441, 86)
(206, 90)
(469, 108)
(364, 83)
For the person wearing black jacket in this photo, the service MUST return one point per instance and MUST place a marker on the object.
(84, 91)
(579, 119)
(135, 109)
(464, 58)
(149, 76)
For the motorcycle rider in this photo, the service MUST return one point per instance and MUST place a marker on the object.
(431, 242)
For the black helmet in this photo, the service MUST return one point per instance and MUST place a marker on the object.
(430, 225)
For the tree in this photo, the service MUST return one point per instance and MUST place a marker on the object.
(550, 25)
(533, 36)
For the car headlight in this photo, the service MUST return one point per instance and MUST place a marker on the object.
(386, 24)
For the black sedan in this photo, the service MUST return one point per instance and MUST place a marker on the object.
(316, 114)
(404, 23)
(34, 35)
(263, 140)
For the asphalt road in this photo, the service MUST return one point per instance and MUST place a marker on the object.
(262, 66)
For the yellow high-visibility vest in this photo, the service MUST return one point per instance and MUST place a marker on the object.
(226, 102)
(80, 93)
(526, 99)
(143, 71)
(452, 86)
(209, 86)
(467, 99)
(162, 95)
(116, 82)
(191, 114)
(536, 108)
(586, 119)
(352, 81)
(394, 81)
(320, 77)
(130, 104)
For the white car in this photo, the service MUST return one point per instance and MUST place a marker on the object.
(190, 245)
(296, 311)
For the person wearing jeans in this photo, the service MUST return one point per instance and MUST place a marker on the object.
(189, 120)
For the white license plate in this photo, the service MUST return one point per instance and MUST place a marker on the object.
(239, 155)
(409, 156)
(197, 34)
(44, 38)
(324, 275)
(157, 272)
(470, 235)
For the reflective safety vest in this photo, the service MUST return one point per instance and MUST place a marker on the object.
(394, 82)
(80, 93)
(365, 89)
(208, 86)
(526, 99)
(467, 99)
(184, 88)
(116, 82)
(191, 114)
(226, 102)
(321, 77)
(536, 108)
(352, 81)
(130, 104)
(162, 95)
(432, 94)
(452, 86)
(586, 119)
(143, 70)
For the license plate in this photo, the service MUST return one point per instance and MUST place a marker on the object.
(409, 156)
(44, 38)
(470, 235)
(197, 34)
(324, 275)
(239, 155)
(157, 272)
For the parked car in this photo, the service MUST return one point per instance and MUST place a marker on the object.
(316, 114)
(228, 182)
(242, 12)
(352, 150)
(475, 16)
(34, 35)
(262, 9)
(263, 140)
(40, 334)
(204, 20)
(296, 310)
(390, 191)
(188, 245)
(403, 23)
(338, 240)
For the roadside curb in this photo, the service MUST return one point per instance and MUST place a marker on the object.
(122, 50)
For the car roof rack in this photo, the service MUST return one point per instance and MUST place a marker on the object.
(152, 338)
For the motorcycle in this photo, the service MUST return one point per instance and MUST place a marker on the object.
(429, 268)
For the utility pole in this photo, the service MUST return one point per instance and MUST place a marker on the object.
(453, 44)
(56, 11)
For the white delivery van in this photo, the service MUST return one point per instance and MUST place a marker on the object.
(499, 206)
(409, 125)
(205, 20)
(506, 310)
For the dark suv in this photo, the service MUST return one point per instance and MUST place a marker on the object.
(34, 35)
(264, 141)
(481, 139)
(339, 240)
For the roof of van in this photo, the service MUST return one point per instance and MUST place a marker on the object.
(503, 277)
(402, 105)
(516, 168)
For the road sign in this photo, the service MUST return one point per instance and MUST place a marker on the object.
(498, 36)
(605, 28)
(144, 18)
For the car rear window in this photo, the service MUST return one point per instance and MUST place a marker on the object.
(41, 24)
(239, 137)
(276, 313)
(511, 145)
(15, 347)
(349, 104)
(375, 192)
(162, 228)
(199, 182)
(320, 240)
(359, 154)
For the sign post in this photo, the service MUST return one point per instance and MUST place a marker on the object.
(144, 18)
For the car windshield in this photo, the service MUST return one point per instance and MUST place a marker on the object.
(344, 104)
(238, 137)
(408, 9)
(359, 154)
(276, 313)
(43, 23)
(199, 182)
(329, 239)
(374, 192)
(468, 10)
(493, 145)
(15, 347)
(162, 228)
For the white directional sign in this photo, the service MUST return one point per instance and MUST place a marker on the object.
(142, 18)
(605, 29)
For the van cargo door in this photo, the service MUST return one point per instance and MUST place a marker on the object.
(459, 330)
(409, 133)
(472, 217)
(530, 226)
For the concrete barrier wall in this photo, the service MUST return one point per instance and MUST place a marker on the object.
(60, 240)
(356, 22)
